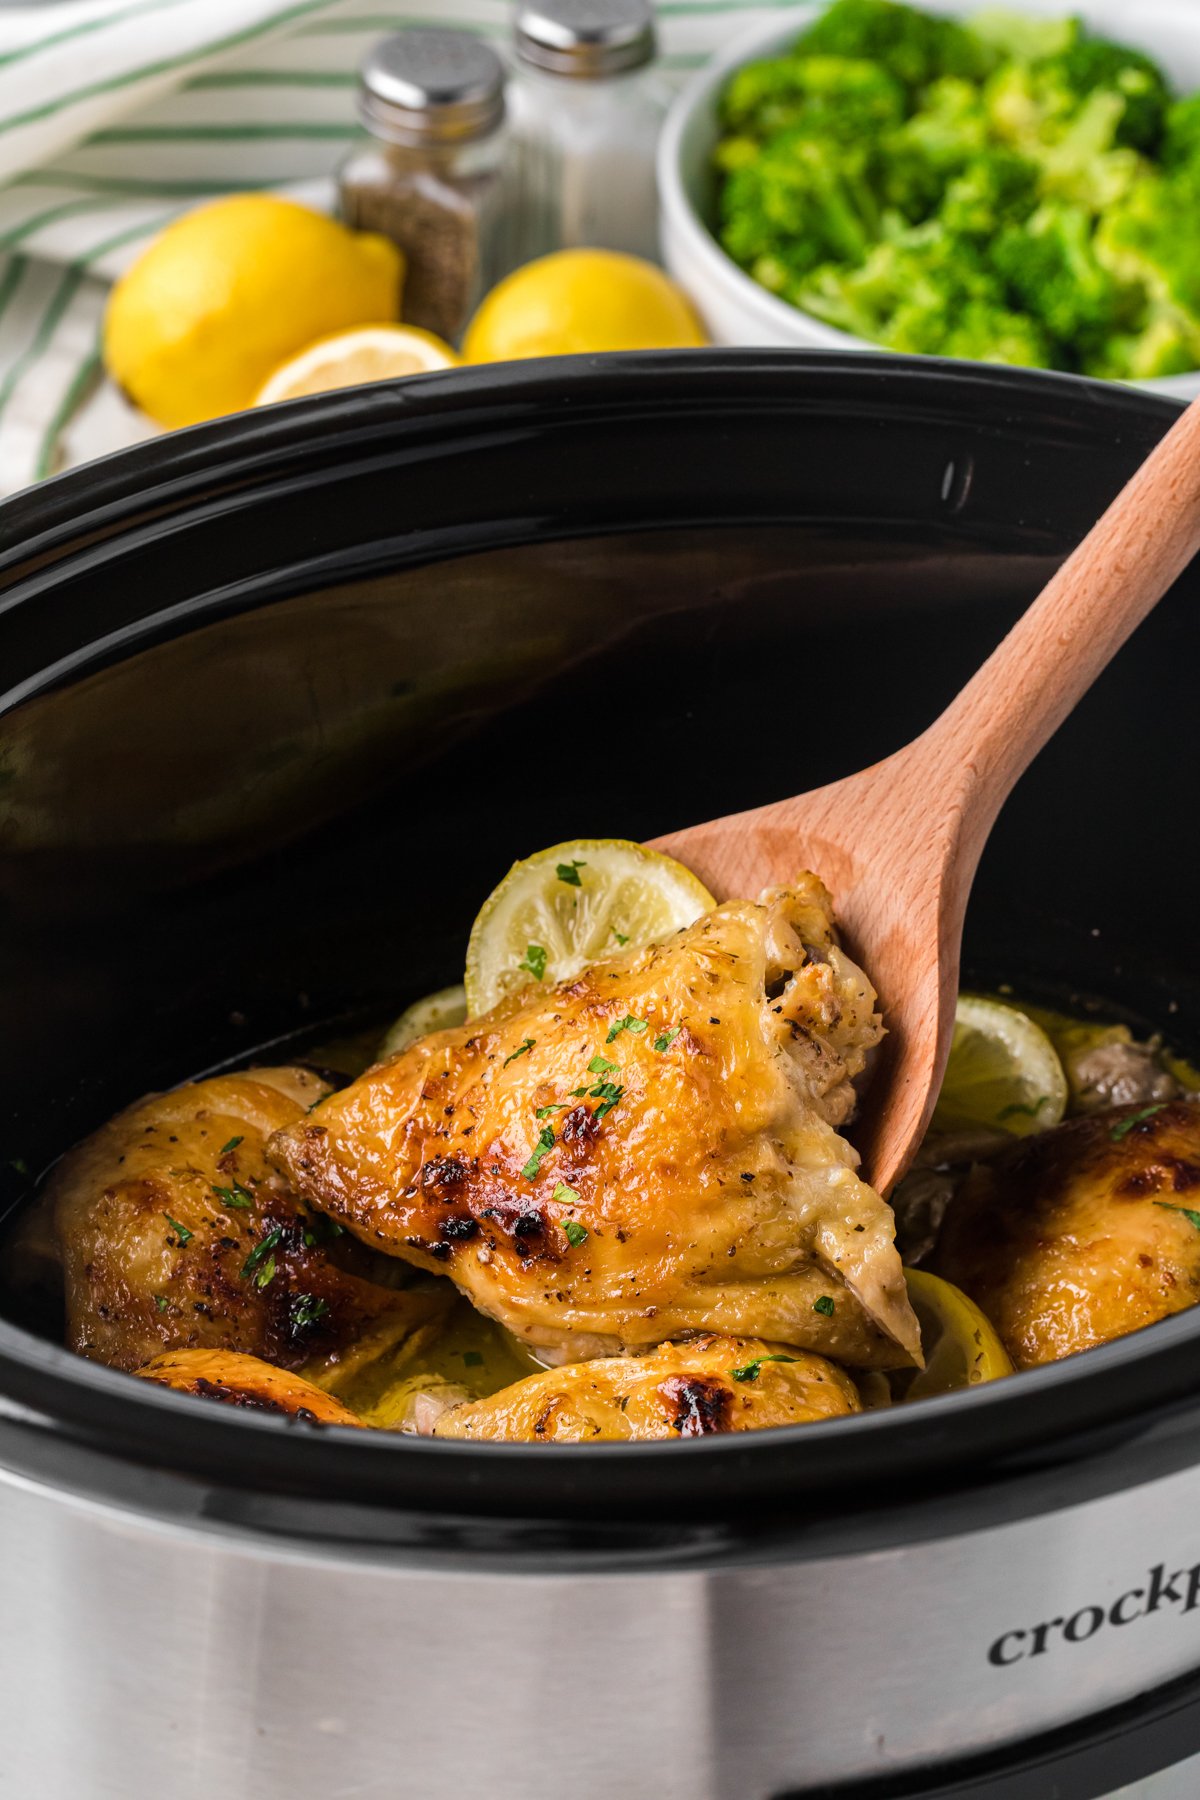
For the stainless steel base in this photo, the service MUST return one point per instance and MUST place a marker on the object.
(146, 1655)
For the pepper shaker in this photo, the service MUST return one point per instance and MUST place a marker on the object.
(587, 105)
(429, 175)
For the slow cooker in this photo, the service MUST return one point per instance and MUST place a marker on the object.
(283, 696)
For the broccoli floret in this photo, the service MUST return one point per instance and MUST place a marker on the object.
(1146, 245)
(827, 96)
(1165, 344)
(1081, 164)
(798, 204)
(927, 293)
(1016, 37)
(980, 331)
(1181, 136)
(911, 45)
(919, 158)
(1050, 266)
(997, 189)
(1095, 66)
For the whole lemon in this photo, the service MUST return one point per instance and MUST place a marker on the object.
(224, 294)
(581, 300)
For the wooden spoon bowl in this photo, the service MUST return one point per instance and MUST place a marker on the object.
(898, 844)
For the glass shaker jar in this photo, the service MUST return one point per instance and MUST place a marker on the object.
(429, 176)
(587, 106)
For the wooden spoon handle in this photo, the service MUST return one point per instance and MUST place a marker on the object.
(1053, 654)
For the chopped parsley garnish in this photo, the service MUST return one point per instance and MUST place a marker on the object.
(576, 1233)
(544, 1145)
(521, 1050)
(622, 937)
(304, 1310)
(160, 1301)
(749, 1371)
(628, 1023)
(181, 1231)
(824, 1305)
(566, 1196)
(569, 872)
(666, 1040)
(1015, 1109)
(236, 1197)
(473, 1359)
(1193, 1218)
(600, 1065)
(543, 1112)
(535, 961)
(231, 1145)
(609, 1094)
(18, 1165)
(263, 1249)
(1118, 1131)
(266, 1273)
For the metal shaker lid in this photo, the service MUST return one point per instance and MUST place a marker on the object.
(429, 86)
(585, 38)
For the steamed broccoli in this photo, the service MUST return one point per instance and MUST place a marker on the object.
(1095, 66)
(1181, 137)
(797, 205)
(911, 45)
(921, 292)
(918, 158)
(993, 191)
(1015, 189)
(827, 96)
(1157, 263)
(1016, 37)
(1050, 267)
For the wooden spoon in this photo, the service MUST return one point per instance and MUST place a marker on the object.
(898, 844)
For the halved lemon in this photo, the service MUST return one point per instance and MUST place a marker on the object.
(351, 358)
(436, 1012)
(960, 1342)
(571, 905)
(1003, 1073)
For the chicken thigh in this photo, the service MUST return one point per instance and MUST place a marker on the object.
(176, 1233)
(647, 1150)
(235, 1380)
(706, 1385)
(1083, 1233)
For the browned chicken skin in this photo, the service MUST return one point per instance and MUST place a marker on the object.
(177, 1233)
(708, 1384)
(235, 1380)
(1080, 1234)
(648, 1150)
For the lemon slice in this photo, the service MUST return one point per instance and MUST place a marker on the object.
(960, 1343)
(1003, 1073)
(436, 1012)
(351, 358)
(566, 907)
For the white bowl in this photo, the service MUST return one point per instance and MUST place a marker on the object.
(735, 309)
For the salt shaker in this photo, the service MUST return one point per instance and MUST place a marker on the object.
(587, 105)
(430, 173)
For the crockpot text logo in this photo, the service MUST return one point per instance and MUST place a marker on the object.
(1181, 1589)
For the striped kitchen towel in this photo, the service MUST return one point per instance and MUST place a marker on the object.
(117, 115)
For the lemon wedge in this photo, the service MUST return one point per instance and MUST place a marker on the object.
(960, 1343)
(436, 1012)
(1003, 1073)
(352, 358)
(571, 905)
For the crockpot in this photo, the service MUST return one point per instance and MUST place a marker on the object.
(283, 696)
